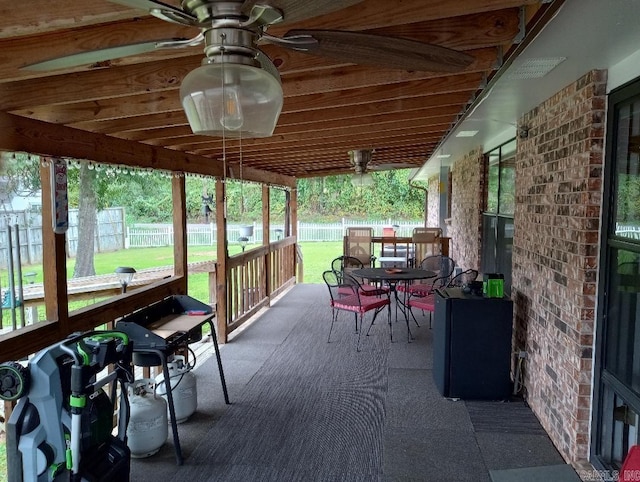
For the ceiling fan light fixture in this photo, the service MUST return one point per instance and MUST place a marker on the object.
(234, 99)
(362, 180)
(360, 159)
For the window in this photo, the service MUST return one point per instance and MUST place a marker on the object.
(497, 239)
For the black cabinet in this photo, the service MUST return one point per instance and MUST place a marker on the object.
(472, 345)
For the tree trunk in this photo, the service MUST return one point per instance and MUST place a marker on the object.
(87, 215)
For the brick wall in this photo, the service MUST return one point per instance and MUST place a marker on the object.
(558, 199)
(467, 194)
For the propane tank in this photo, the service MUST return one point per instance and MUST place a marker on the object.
(148, 424)
(183, 388)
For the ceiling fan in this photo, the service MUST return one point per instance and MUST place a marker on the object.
(360, 159)
(237, 91)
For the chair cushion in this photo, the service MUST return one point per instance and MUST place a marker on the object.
(419, 289)
(373, 290)
(424, 302)
(346, 290)
(364, 304)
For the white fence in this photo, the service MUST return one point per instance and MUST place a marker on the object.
(109, 233)
(628, 231)
(155, 235)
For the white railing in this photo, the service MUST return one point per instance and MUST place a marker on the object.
(628, 231)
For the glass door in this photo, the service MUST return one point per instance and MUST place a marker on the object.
(617, 371)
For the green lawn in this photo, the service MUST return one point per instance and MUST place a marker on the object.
(317, 257)
(3, 460)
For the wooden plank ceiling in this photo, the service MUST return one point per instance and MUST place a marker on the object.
(329, 107)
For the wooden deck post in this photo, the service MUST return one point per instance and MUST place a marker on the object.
(222, 255)
(266, 209)
(178, 191)
(293, 214)
(54, 271)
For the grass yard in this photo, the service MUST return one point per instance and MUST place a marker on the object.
(3, 458)
(317, 258)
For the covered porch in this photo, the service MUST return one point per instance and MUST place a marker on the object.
(305, 409)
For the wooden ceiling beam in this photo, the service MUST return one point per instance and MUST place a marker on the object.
(44, 16)
(23, 51)
(292, 123)
(382, 156)
(157, 105)
(337, 145)
(338, 162)
(175, 136)
(36, 137)
(379, 13)
(467, 32)
(302, 139)
(157, 76)
(360, 138)
(450, 84)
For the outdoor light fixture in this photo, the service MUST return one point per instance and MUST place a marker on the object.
(232, 94)
(279, 234)
(125, 275)
(360, 159)
(243, 240)
(361, 180)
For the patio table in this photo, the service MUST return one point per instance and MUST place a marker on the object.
(393, 276)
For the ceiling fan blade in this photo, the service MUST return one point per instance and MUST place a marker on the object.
(378, 50)
(297, 10)
(162, 10)
(101, 55)
(390, 166)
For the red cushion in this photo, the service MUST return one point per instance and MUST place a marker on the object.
(424, 303)
(419, 289)
(373, 290)
(366, 303)
(631, 467)
(367, 290)
(346, 291)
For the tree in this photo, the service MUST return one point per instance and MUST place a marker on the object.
(87, 217)
(21, 173)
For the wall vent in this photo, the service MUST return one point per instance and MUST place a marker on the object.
(535, 68)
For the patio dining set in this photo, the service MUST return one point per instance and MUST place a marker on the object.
(406, 274)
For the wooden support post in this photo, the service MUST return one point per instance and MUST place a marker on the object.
(178, 191)
(222, 255)
(266, 209)
(293, 211)
(293, 206)
(287, 214)
(53, 250)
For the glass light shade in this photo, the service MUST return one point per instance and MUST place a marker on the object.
(246, 231)
(360, 180)
(249, 104)
(125, 274)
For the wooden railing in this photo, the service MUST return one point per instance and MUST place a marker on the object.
(256, 276)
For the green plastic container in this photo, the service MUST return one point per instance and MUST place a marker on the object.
(493, 285)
